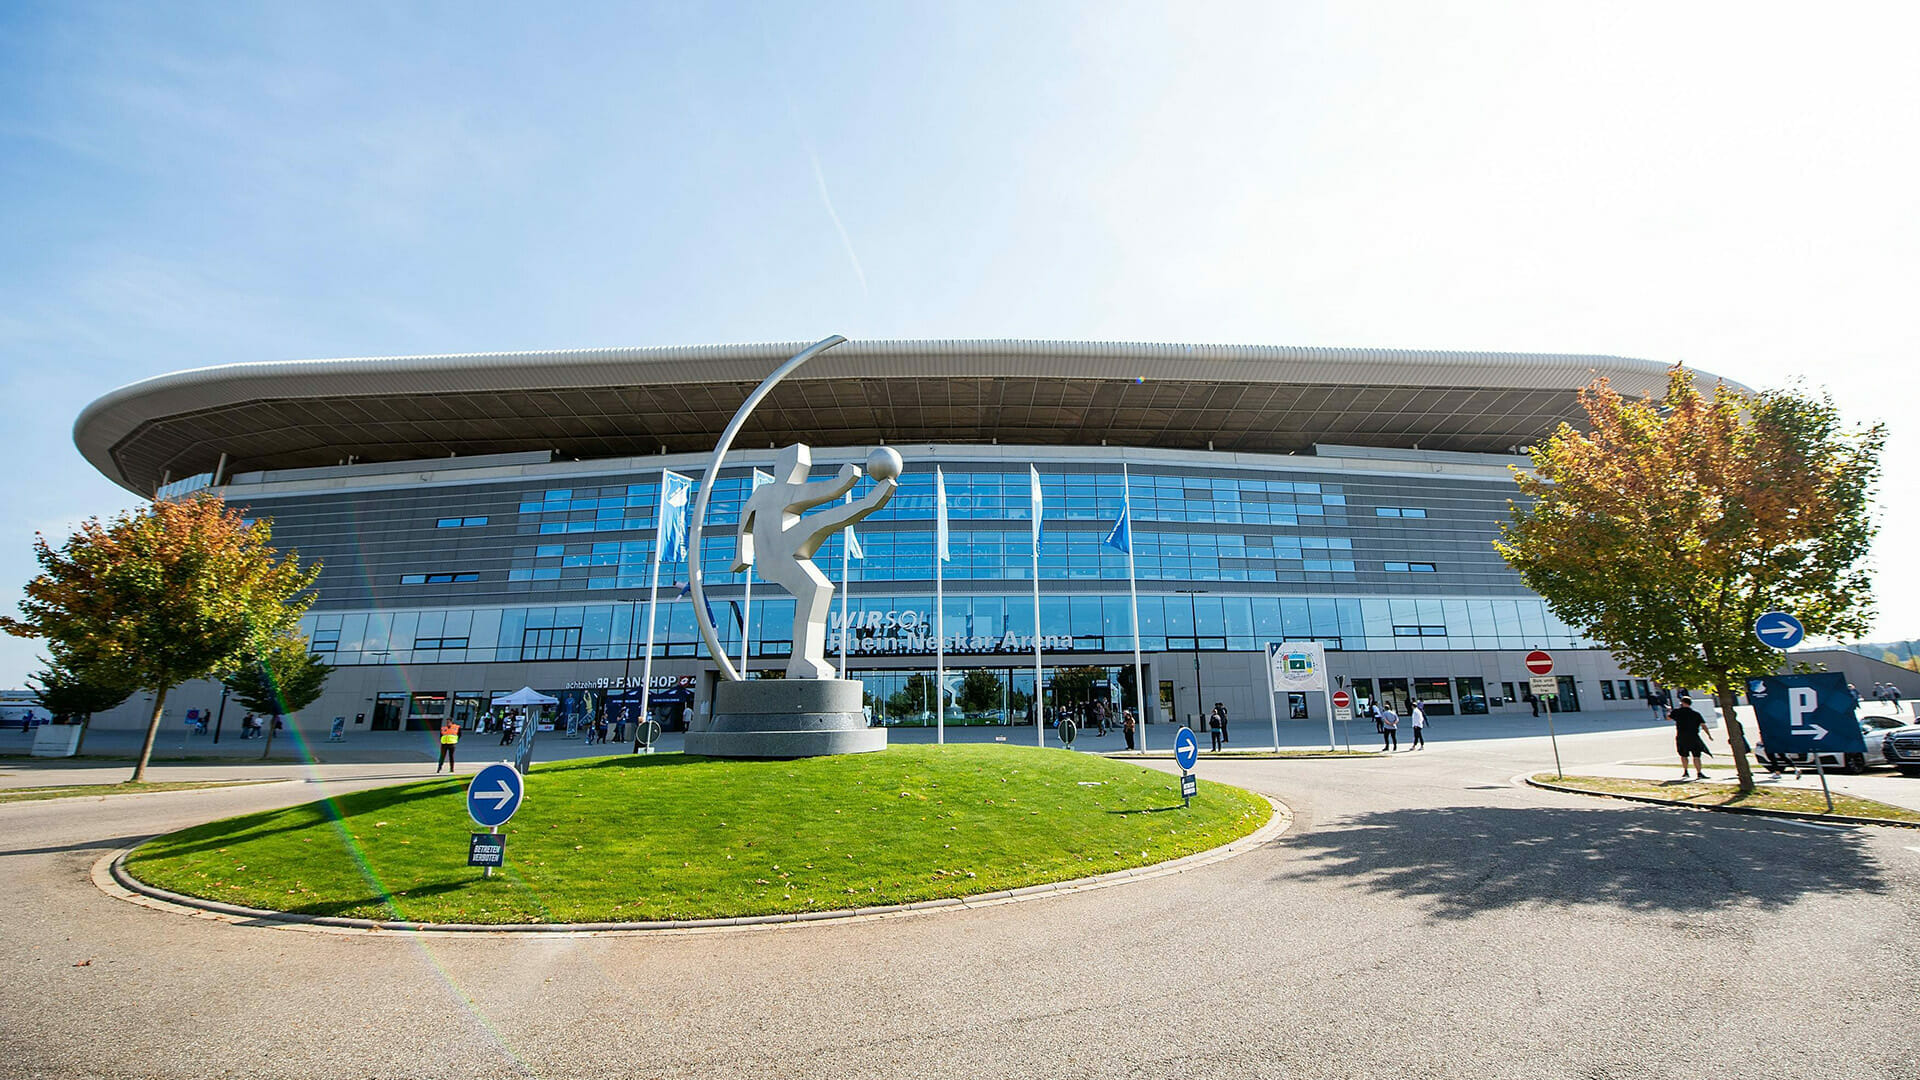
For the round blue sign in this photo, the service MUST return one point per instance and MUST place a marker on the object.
(1778, 630)
(494, 794)
(1186, 748)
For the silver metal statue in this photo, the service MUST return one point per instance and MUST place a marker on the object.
(775, 537)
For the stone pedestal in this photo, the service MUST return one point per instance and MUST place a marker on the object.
(787, 718)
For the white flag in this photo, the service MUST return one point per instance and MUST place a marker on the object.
(1037, 505)
(940, 515)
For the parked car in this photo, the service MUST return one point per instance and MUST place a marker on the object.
(1873, 730)
(1900, 748)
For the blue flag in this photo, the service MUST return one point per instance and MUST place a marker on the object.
(1120, 537)
(671, 546)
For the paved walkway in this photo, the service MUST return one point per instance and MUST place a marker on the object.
(1425, 918)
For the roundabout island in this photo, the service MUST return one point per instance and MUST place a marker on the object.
(674, 838)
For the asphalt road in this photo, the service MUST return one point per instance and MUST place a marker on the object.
(1424, 918)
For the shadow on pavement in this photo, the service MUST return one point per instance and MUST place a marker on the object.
(1467, 860)
(105, 843)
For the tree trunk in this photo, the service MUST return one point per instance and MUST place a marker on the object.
(1736, 735)
(82, 740)
(272, 722)
(153, 730)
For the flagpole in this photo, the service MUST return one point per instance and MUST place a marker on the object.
(746, 621)
(1133, 597)
(653, 596)
(746, 608)
(1039, 692)
(846, 584)
(940, 607)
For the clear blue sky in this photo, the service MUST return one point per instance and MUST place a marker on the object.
(183, 185)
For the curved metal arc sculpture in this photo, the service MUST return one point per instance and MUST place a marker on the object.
(708, 632)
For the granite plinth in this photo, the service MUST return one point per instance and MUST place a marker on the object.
(787, 718)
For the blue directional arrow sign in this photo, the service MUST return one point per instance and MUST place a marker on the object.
(1779, 630)
(495, 794)
(1802, 714)
(1186, 748)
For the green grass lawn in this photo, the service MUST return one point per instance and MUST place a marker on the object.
(74, 791)
(672, 837)
(1208, 755)
(1698, 793)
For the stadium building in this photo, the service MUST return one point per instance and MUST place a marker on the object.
(487, 520)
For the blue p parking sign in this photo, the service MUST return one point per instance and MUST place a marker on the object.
(1805, 714)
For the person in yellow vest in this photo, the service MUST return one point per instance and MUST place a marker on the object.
(449, 738)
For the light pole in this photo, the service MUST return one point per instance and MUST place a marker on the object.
(626, 667)
(1199, 694)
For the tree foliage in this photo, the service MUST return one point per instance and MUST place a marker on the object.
(1670, 526)
(169, 592)
(278, 676)
(980, 692)
(73, 689)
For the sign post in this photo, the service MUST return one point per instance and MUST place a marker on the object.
(1299, 667)
(1541, 683)
(1343, 712)
(493, 795)
(1186, 753)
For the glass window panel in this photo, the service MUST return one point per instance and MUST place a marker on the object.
(353, 632)
(1212, 614)
(1533, 620)
(483, 629)
(1296, 618)
(1087, 620)
(1325, 618)
(1267, 625)
(379, 625)
(1180, 615)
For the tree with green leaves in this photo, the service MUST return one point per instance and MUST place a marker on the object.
(169, 592)
(74, 689)
(980, 691)
(280, 676)
(1669, 527)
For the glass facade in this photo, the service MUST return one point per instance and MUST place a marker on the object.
(1227, 558)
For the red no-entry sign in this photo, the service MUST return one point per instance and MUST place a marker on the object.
(1341, 700)
(1539, 663)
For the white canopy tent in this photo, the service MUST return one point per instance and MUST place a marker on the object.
(526, 695)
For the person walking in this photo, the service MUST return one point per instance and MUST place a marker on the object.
(1893, 696)
(1126, 726)
(449, 738)
(1419, 716)
(1379, 723)
(1687, 728)
(1220, 710)
(1389, 729)
(1213, 728)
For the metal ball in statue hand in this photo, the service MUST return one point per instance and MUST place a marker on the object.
(884, 464)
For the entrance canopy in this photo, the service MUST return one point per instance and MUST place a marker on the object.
(526, 695)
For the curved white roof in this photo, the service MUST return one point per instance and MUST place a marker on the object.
(604, 402)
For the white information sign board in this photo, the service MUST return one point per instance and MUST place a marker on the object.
(1297, 666)
(1543, 685)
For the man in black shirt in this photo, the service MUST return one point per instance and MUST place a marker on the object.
(1687, 728)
